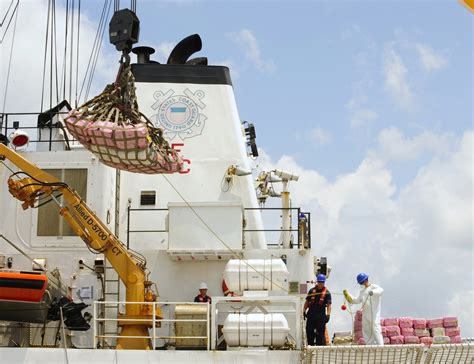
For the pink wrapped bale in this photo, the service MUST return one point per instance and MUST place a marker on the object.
(456, 340)
(438, 331)
(431, 324)
(450, 321)
(426, 340)
(361, 341)
(405, 322)
(412, 339)
(358, 335)
(422, 332)
(393, 331)
(358, 315)
(419, 323)
(408, 331)
(452, 331)
(357, 325)
(386, 341)
(397, 340)
(384, 331)
(382, 321)
(390, 322)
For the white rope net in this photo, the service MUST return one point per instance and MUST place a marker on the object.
(436, 354)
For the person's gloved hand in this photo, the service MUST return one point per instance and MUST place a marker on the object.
(347, 296)
(327, 318)
(305, 315)
(371, 293)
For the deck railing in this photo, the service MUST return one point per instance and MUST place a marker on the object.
(303, 235)
(156, 323)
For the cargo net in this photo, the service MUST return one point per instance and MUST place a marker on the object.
(111, 126)
(403, 354)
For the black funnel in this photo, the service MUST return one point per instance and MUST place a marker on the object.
(184, 49)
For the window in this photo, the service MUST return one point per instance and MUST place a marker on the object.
(50, 222)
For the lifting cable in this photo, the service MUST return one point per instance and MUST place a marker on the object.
(15, 12)
(97, 53)
(64, 68)
(96, 45)
(77, 50)
(9, 20)
(45, 54)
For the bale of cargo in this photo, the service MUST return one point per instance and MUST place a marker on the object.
(358, 335)
(391, 322)
(456, 339)
(450, 321)
(397, 340)
(393, 331)
(357, 325)
(384, 331)
(422, 332)
(111, 126)
(386, 341)
(452, 331)
(431, 324)
(405, 322)
(408, 331)
(426, 340)
(361, 341)
(342, 340)
(441, 340)
(438, 331)
(419, 323)
(358, 316)
(412, 339)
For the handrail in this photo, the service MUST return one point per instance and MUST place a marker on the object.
(297, 245)
(154, 321)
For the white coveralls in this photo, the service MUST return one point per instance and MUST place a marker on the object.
(371, 328)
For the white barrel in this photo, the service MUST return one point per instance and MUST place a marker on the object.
(256, 329)
(256, 275)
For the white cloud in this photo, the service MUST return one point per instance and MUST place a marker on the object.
(246, 39)
(163, 51)
(362, 117)
(394, 145)
(429, 58)
(320, 136)
(360, 114)
(414, 240)
(396, 83)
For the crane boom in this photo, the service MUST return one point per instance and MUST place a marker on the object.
(130, 267)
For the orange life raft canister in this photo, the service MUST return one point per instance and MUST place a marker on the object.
(22, 286)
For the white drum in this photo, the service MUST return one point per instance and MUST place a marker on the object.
(256, 275)
(256, 329)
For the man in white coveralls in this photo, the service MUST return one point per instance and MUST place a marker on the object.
(370, 296)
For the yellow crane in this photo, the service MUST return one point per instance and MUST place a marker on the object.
(30, 183)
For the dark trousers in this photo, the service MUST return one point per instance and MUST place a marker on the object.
(316, 329)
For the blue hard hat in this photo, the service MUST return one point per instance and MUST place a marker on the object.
(362, 277)
(321, 278)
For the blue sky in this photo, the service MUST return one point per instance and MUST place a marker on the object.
(312, 75)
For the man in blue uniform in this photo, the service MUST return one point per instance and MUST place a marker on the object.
(202, 297)
(317, 311)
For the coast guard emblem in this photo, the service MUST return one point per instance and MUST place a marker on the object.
(179, 115)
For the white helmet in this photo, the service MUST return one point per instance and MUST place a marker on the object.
(203, 285)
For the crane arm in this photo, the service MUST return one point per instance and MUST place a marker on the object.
(130, 267)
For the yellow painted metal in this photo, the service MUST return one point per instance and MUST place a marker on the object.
(96, 235)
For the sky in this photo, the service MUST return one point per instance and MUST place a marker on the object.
(369, 102)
